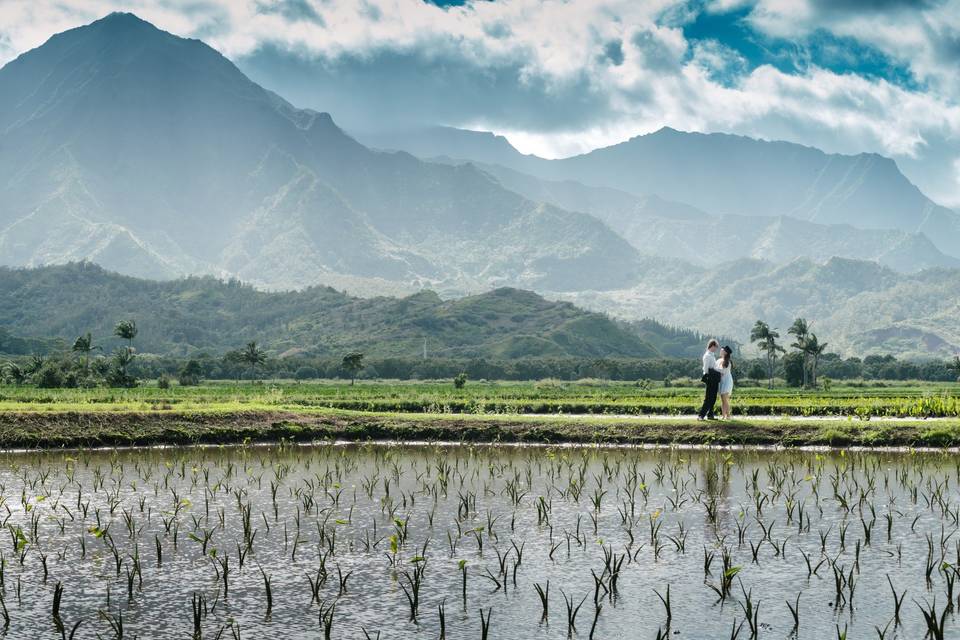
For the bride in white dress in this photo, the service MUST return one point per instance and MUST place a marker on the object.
(726, 381)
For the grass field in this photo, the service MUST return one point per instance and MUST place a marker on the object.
(546, 412)
(870, 400)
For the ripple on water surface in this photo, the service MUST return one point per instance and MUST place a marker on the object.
(607, 527)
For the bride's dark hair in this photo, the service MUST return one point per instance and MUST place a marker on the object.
(727, 359)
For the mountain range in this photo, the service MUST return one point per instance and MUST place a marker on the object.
(860, 308)
(188, 315)
(656, 226)
(669, 191)
(154, 156)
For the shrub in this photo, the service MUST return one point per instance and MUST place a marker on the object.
(306, 373)
(460, 381)
(793, 369)
(120, 379)
(163, 382)
(190, 374)
(50, 376)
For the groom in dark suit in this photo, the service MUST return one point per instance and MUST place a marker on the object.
(711, 377)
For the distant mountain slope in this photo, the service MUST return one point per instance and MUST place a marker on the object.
(656, 226)
(722, 174)
(859, 307)
(186, 315)
(156, 156)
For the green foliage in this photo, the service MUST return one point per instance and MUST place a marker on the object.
(352, 364)
(306, 373)
(117, 375)
(83, 345)
(555, 397)
(13, 373)
(460, 381)
(53, 375)
(794, 369)
(163, 382)
(765, 339)
(190, 374)
(954, 366)
(15, 345)
(252, 356)
(126, 329)
(183, 317)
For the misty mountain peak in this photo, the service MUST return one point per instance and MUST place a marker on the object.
(119, 56)
(114, 34)
(119, 134)
(122, 21)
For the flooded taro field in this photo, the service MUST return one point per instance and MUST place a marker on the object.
(431, 541)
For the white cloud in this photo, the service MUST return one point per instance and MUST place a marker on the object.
(923, 35)
(625, 53)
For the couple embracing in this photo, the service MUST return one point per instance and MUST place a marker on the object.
(718, 376)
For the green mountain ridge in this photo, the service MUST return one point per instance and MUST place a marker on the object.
(202, 313)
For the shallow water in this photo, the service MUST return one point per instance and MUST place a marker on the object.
(97, 517)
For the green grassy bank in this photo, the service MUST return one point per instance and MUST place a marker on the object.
(864, 400)
(56, 429)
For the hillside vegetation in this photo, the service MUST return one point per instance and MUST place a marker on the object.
(187, 315)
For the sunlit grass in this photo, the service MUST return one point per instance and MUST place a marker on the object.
(497, 398)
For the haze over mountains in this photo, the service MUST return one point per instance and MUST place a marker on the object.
(655, 226)
(154, 156)
(859, 307)
(853, 206)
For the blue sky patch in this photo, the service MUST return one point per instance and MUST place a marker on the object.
(819, 49)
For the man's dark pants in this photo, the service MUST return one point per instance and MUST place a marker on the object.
(710, 396)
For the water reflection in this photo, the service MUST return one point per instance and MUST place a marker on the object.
(176, 537)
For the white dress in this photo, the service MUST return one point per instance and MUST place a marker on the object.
(726, 380)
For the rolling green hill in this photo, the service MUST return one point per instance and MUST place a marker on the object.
(194, 314)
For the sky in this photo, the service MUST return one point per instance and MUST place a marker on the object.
(560, 77)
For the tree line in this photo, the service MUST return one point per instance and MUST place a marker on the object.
(801, 366)
(807, 347)
(78, 367)
(800, 360)
(85, 365)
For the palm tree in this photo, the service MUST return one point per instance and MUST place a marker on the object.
(253, 355)
(814, 349)
(766, 340)
(126, 329)
(801, 330)
(36, 363)
(121, 360)
(84, 345)
(14, 373)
